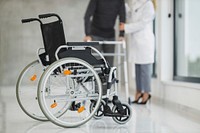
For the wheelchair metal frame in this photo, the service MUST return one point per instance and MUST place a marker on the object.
(53, 66)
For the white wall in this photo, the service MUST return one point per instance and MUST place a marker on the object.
(19, 42)
(186, 94)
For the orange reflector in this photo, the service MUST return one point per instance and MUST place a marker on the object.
(81, 109)
(67, 72)
(33, 78)
(53, 105)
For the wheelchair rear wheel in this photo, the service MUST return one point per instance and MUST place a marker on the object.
(72, 81)
(26, 90)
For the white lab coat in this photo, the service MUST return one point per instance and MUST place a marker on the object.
(140, 29)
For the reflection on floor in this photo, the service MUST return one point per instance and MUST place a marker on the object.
(152, 118)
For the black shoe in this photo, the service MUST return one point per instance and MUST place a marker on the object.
(136, 101)
(144, 102)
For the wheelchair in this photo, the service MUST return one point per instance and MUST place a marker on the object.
(68, 84)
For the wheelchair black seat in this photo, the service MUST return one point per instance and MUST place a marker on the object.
(85, 55)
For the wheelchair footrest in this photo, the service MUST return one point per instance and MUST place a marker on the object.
(114, 115)
(117, 102)
(108, 112)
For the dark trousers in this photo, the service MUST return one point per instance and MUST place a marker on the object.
(105, 48)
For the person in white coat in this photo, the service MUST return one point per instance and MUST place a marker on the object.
(142, 14)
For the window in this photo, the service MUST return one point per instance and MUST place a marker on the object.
(187, 40)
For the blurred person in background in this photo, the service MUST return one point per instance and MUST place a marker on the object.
(100, 19)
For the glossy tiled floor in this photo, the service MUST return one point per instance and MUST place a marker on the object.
(155, 117)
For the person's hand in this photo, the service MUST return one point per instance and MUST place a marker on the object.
(121, 27)
(87, 38)
(121, 38)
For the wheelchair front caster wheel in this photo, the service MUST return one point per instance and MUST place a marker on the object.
(125, 117)
(100, 112)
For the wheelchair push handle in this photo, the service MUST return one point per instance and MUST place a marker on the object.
(30, 20)
(42, 16)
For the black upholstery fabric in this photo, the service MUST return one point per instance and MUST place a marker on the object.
(81, 54)
(53, 37)
(43, 59)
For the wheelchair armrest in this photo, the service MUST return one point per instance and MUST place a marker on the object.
(82, 43)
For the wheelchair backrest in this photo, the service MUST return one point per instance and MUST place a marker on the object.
(53, 37)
